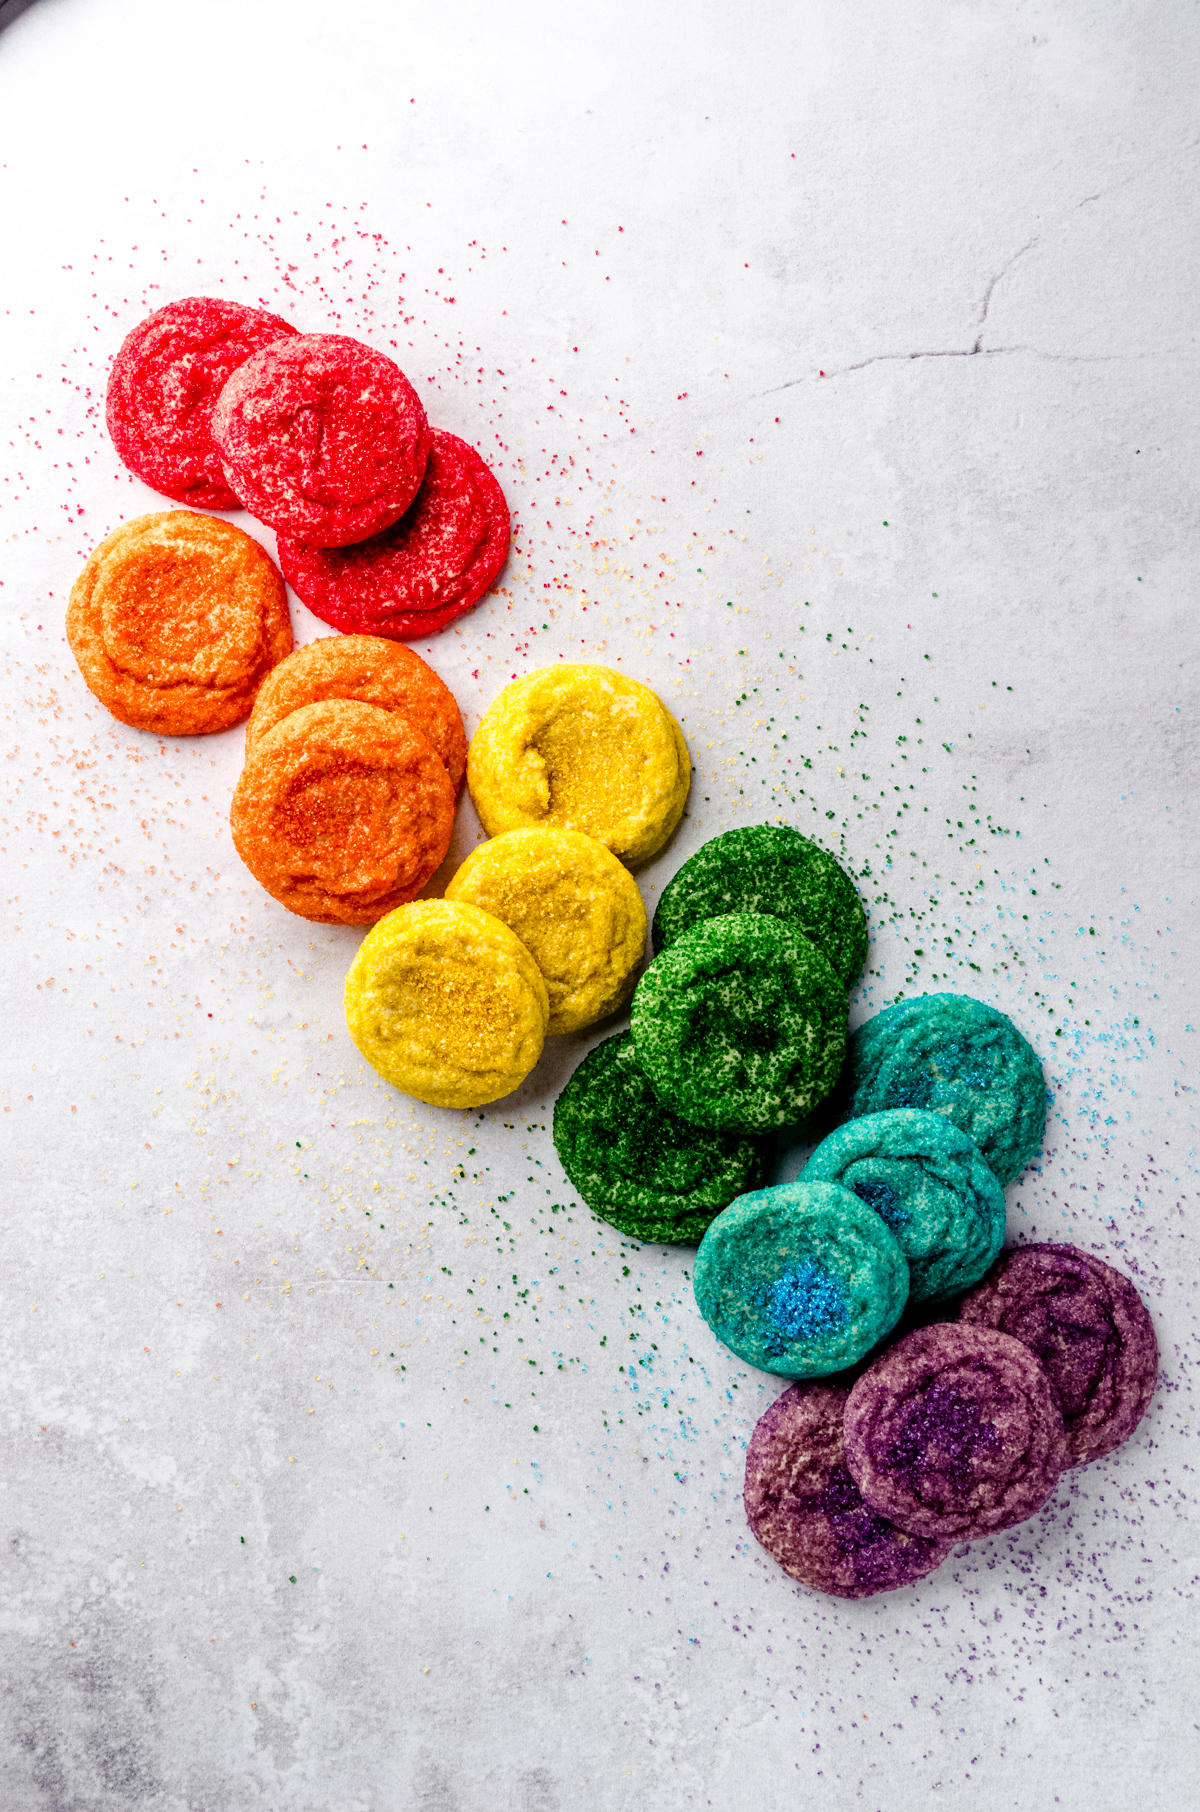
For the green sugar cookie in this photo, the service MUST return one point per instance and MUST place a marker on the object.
(932, 1186)
(741, 1024)
(801, 1280)
(954, 1056)
(769, 868)
(638, 1165)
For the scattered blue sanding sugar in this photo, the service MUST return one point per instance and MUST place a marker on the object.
(882, 1198)
(806, 1302)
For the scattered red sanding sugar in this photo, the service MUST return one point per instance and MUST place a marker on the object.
(428, 568)
(322, 438)
(163, 386)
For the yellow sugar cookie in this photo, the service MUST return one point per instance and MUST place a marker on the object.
(574, 907)
(447, 1004)
(581, 748)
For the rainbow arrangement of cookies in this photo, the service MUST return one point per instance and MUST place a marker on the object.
(385, 525)
(892, 1445)
(578, 774)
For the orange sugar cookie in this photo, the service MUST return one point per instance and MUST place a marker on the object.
(375, 670)
(175, 621)
(343, 811)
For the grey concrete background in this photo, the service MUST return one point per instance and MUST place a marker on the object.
(839, 363)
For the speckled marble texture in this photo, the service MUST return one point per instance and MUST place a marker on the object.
(838, 363)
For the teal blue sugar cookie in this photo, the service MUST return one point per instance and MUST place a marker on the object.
(954, 1056)
(931, 1185)
(741, 1024)
(801, 1280)
(769, 868)
(638, 1165)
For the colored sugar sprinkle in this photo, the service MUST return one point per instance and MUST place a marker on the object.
(943, 1432)
(882, 1198)
(806, 1302)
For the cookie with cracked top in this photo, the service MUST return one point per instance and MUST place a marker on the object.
(1089, 1328)
(952, 1055)
(806, 1510)
(769, 868)
(163, 387)
(427, 569)
(955, 1432)
(322, 437)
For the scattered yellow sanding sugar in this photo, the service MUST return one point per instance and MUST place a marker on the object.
(581, 748)
(447, 1004)
(574, 907)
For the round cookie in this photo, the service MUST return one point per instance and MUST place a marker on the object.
(576, 909)
(955, 1056)
(164, 383)
(741, 1024)
(581, 748)
(342, 812)
(802, 1279)
(1089, 1328)
(430, 567)
(808, 1513)
(175, 621)
(379, 673)
(769, 868)
(932, 1187)
(322, 438)
(446, 1004)
(955, 1432)
(637, 1165)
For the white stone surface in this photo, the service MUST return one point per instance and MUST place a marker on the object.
(870, 329)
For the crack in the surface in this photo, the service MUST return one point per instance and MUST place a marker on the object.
(968, 352)
(978, 349)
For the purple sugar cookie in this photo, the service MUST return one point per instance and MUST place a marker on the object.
(955, 1432)
(1089, 1328)
(808, 1513)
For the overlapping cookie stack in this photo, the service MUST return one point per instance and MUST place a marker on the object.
(578, 773)
(956, 1431)
(385, 525)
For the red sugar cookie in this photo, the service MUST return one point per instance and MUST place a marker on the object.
(428, 568)
(164, 383)
(322, 438)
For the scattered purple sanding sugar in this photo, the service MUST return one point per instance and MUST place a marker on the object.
(806, 1510)
(1090, 1329)
(956, 1431)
